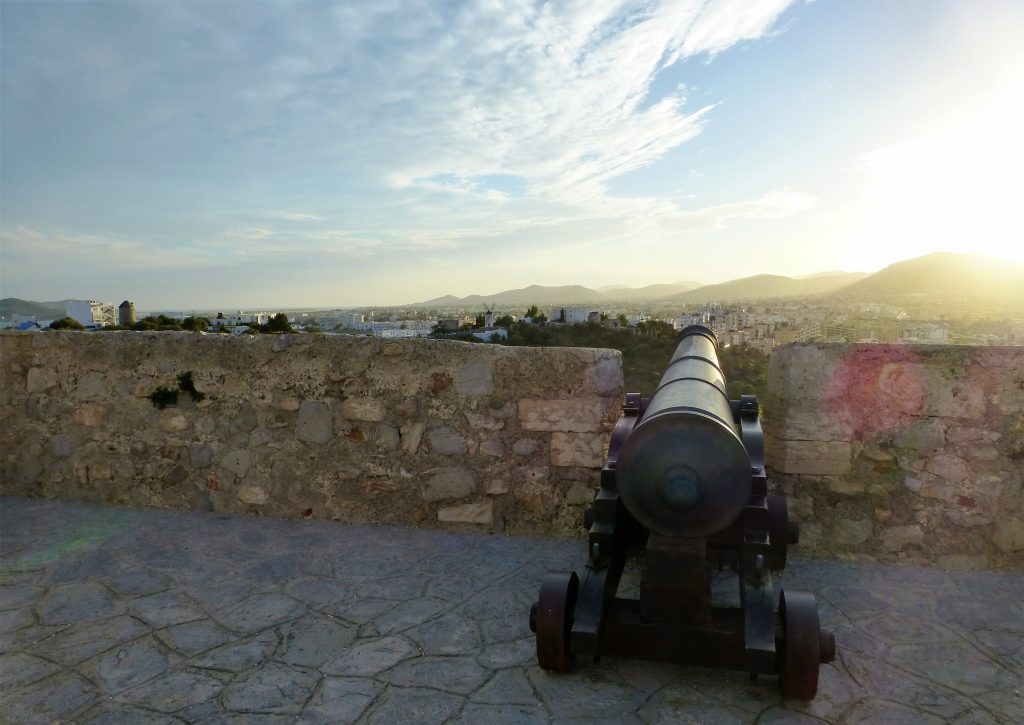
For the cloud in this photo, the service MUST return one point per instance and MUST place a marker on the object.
(415, 127)
(293, 216)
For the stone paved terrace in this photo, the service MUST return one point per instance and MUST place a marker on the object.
(139, 616)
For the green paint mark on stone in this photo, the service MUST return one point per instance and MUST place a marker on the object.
(76, 535)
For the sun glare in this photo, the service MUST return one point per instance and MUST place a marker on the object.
(958, 188)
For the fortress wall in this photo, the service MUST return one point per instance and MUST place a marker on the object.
(410, 432)
(899, 452)
(894, 453)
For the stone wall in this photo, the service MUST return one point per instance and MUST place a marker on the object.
(905, 453)
(900, 452)
(414, 432)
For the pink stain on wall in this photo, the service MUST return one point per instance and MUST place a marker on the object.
(878, 390)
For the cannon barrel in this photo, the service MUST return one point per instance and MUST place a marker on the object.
(683, 470)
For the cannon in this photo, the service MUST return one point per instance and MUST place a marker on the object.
(685, 481)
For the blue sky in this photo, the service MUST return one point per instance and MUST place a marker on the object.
(231, 155)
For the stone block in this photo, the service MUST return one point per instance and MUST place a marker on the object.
(61, 446)
(811, 425)
(392, 349)
(963, 399)
(967, 519)
(845, 486)
(812, 458)
(411, 434)
(92, 386)
(896, 538)
(496, 487)
(930, 486)
(852, 532)
(605, 376)
(252, 495)
(245, 420)
(368, 409)
(315, 423)
(482, 421)
(469, 513)
(566, 416)
(492, 448)
(200, 455)
(980, 453)
(446, 441)
(927, 435)
(536, 498)
(1009, 535)
(577, 449)
(475, 378)
(385, 437)
(289, 403)
(173, 421)
(960, 435)
(448, 482)
(579, 493)
(947, 467)
(525, 447)
(41, 379)
(237, 462)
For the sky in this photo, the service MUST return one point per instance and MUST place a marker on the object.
(289, 154)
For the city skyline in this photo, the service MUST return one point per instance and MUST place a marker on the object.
(310, 156)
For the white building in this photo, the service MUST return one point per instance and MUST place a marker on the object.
(241, 318)
(90, 313)
(698, 318)
(574, 315)
(490, 333)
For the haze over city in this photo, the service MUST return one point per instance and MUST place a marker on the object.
(230, 154)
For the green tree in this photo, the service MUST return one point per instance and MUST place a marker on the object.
(279, 323)
(532, 312)
(505, 321)
(160, 322)
(746, 370)
(66, 323)
(623, 322)
(196, 324)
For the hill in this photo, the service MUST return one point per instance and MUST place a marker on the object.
(532, 295)
(10, 306)
(648, 293)
(763, 286)
(945, 274)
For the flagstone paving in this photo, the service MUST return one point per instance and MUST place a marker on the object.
(115, 615)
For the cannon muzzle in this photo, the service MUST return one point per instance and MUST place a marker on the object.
(683, 470)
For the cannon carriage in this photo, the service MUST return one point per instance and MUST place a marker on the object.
(685, 480)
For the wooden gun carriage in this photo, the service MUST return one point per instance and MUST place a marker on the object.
(685, 478)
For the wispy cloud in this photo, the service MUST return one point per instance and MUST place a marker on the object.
(294, 216)
(364, 129)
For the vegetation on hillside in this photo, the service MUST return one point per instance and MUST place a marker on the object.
(646, 351)
(66, 323)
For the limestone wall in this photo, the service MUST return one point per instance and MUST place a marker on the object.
(901, 452)
(417, 432)
(886, 452)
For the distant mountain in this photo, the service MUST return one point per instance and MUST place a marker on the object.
(945, 274)
(10, 306)
(830, 273)
(763, 286)
(532, 295)
(650, 292)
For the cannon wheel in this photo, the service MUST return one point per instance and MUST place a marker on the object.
(801, 649)
(553, 620)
